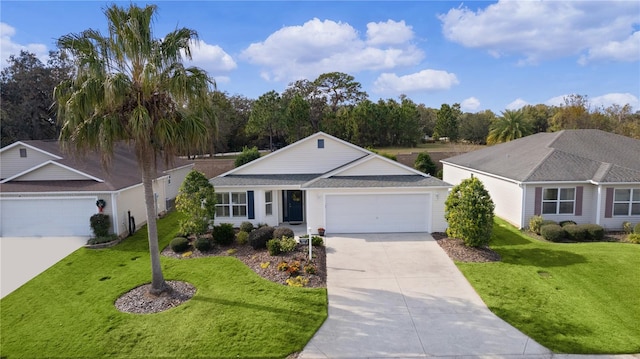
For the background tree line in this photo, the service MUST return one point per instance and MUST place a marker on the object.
(334, 103)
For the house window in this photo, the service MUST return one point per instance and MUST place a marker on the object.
(320, 143)
(626, 202)
(231, 204)
(268, 203)
(23, 152)
(558, 200)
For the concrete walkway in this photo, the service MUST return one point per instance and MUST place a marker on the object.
(399, 295)
(23, 258)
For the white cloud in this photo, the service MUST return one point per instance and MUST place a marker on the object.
(390, 32)
(211, 57)
(471, 104)
(540, 30)
(626, 50)
(517, 104)
(621, 99)
(8, 47)
(425, 80)
(316, 47)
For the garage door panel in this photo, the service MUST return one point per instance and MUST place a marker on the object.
(377, 213)
(46, 217)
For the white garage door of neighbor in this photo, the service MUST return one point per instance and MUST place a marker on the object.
(380, 213)
(46, 217)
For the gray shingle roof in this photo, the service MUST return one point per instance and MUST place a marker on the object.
(392, 181)
(569, 155)
(264, 180)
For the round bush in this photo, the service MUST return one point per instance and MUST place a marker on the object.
(204, 244)
(246, 226)
(636, 228)
(567, 223)
(593, 232)
(242, 237)
(100, 224)
(553, 232)
(273, 246)
(280, 232)
(224, 234)
(259, 237)
(534, 224)
(288, 244)
(179, 244)
(575, 233)
(316, 241)
(634, 238)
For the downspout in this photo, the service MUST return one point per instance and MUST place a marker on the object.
(523, 203)
(114, 213)
(599, 205)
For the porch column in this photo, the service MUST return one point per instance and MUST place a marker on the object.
(599, 205)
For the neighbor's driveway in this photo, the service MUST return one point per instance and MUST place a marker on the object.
(25, 257)
(399, 295)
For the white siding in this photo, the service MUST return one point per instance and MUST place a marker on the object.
(11, 163)
(305, 157)
(131, 199)
(375, 166)
(177, 176)
(51, 172)
(507, 196)
(615, 222)
(589, 198)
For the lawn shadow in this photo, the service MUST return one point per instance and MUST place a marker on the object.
(540, 257)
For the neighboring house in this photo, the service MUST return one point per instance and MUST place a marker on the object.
(45, 192)
(588, 176)
(322, 181)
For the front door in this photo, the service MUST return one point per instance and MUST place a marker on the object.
(293, 207)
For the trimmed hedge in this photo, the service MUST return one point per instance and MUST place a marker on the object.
(246, 226)
(242, 237)
(280, 232)
(567, 223)
(636, 228)
(179, 244)
(594, 232)
(224, 234)
(273, 246)
(552, 232)
(203, 244)
(259, 237)
(575, 233)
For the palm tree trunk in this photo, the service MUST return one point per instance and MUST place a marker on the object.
(158, 285)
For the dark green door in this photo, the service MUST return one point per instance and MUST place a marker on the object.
(293, 208)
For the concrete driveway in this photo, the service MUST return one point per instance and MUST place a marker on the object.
(399, 295)
(22, 258)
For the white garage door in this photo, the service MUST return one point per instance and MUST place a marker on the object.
(46, 217)
(383, 213)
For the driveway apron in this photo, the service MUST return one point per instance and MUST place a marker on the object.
(399, 295)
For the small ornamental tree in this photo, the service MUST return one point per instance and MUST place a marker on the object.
(425, 164)
(247, 155)
(469, 212)
(197, 200)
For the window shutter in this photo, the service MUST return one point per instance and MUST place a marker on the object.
(579, 190)
(608, 203)
(537, 208)
(251, 213)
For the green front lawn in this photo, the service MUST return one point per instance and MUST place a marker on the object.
(571, 298)
(68, 311)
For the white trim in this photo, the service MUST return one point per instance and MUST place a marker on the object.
(191, 165)
(18, 143)
(51, 162)
(482, 172)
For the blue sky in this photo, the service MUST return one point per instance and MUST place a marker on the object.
(483, 55)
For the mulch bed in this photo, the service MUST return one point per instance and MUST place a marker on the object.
(458, 251)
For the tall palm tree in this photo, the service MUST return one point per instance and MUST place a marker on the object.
(510, 126)
(129, 86)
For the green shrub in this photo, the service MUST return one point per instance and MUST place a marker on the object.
(547, 221)
(273, 246)
(298, 281)
(636, 228)
(247, 155)
(242, 237)
(288, 244)
(552, 232)
(280, 232)
(594, 232)
(203, 244)
(575, 233)
(282, 266)
(627, 227)
(224, 234)
(535, 223)
(100, 224)
(316, 241)
(246, 226)
(309, 269)
(105, 239)
(197, 201)
(567, 223)
(179, 244)
(425, 164)
(259, 237)
(634, 238)
(469, 213)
